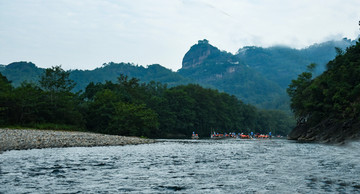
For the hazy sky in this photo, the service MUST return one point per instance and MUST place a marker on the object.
(84, 34)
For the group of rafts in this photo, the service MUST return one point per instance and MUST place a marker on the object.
(234, 135)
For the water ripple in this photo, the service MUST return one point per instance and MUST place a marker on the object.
(185, 166)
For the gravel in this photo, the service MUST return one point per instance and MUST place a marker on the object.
(22, 139)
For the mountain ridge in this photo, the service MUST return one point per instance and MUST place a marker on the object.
(255, 75)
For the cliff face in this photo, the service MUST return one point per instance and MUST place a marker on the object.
(209, 66)
(198, 54)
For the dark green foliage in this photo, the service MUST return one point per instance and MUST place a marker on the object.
(128, 107)
(100, 110)
(258, 76)
(134, 120)
(194, 108)
(59, 101)
(30, 105)
(56, 80)
(296, 93)
(5, 99)
(119, 109)
(5, 84)
(334, 94)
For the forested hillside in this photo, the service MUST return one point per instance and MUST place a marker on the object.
(19, 72)
(327, 107)
(129, 107)
(110, 72)
(282, 64)
(258, 76)
(208, 65)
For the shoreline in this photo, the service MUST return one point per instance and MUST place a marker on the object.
(329, 131)
(24, 139)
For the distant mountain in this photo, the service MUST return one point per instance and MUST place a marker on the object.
(18, 72)
(111, 71)
(282, 64)
(207, 65)
(255, 75)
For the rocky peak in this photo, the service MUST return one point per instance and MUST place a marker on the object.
(21, 65)
(198, 53)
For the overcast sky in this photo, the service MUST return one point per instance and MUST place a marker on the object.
(84, 34)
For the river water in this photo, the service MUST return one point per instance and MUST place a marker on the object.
(185, 166)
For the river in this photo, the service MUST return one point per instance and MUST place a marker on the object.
(185, 166)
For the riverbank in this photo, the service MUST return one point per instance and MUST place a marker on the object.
(327, 131)
(22, 139)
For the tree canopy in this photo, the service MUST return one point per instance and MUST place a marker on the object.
(334, 94)
(130, 107)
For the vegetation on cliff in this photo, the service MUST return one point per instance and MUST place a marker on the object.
(207, 65)
(256, 75)
(327, 107)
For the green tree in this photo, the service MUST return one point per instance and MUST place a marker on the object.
(5, 99)
(100, 111)
(182, 105)
(297, 95)
(60, 104)
(134, 120)
(29, 102)
(55, 80)
(331, 98)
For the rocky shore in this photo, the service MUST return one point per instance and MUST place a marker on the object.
(16, 139)
(327, 131)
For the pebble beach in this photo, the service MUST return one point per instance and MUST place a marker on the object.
(22, 139)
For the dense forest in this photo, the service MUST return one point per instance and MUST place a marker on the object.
(121, 98)
(327, 107)
(256, 75)
(130, 107)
